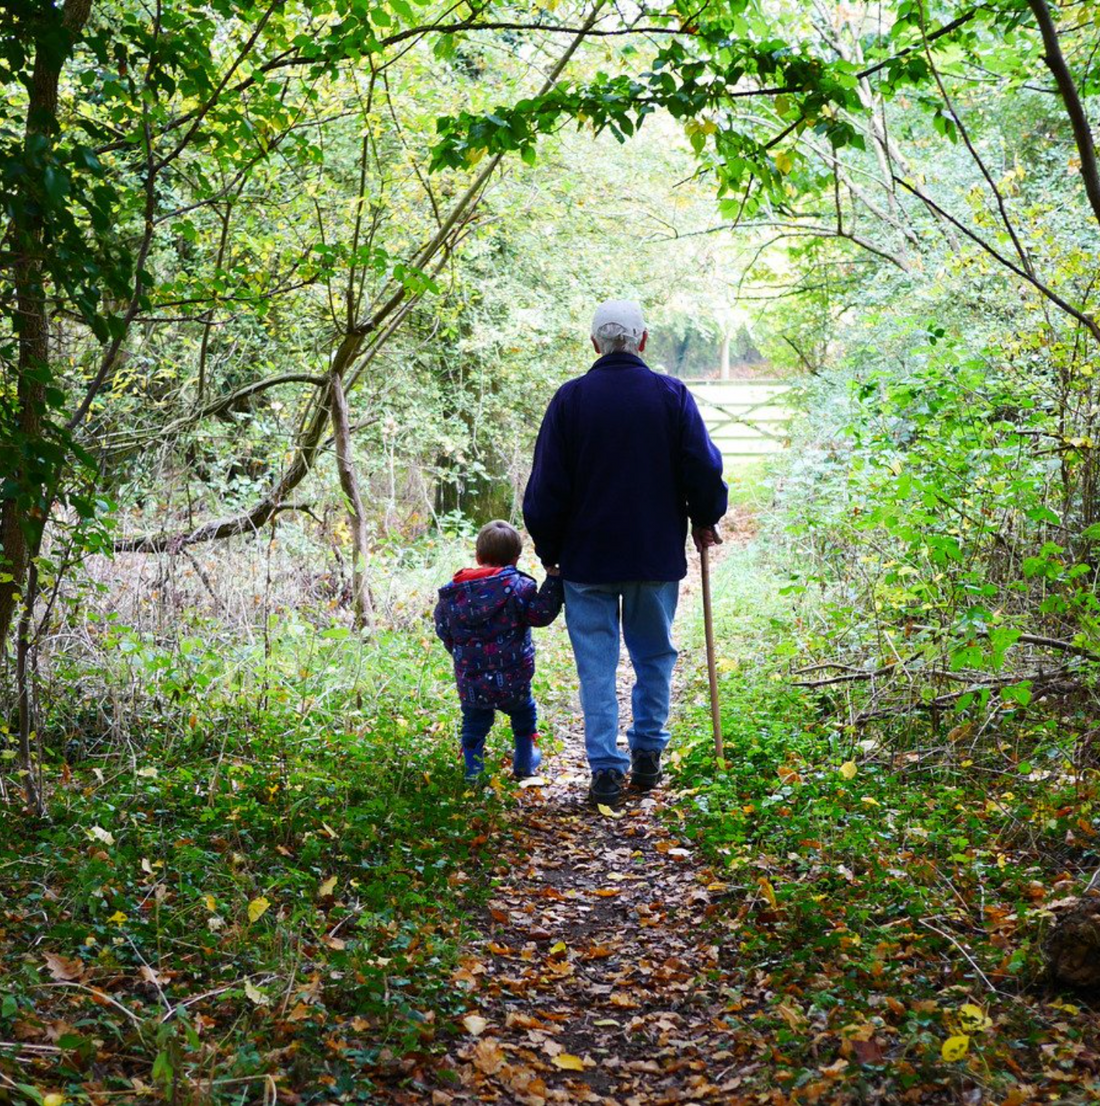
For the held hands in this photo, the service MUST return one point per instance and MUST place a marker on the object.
(705, 536)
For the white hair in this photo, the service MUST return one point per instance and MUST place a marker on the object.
(613, 338)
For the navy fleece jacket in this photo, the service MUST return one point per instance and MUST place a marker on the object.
(622, 462)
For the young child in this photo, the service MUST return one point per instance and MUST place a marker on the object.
(484, 616)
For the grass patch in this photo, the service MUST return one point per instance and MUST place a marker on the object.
(888, 890)
(263, 886)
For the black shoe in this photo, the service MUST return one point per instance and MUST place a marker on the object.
(606, 788)
(645, 768)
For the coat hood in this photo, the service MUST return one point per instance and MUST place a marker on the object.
(475, 597)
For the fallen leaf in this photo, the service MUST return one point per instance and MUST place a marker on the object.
(973, 1018)
(607, 812)
(768, 892)
(475, 1024)
(63, 969)
(792, 1016)
(848, 769)
(257, 907)
(867, 1052)
(955, 1048)
(568, 1061)
(100, 834)
(255, 995)
(488, 1056)
(327, 888)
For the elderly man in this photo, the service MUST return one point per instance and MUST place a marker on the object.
(622, 463)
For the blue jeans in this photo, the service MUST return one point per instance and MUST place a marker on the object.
(593, 613)
(478, 721)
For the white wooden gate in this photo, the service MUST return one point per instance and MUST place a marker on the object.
(746, 418)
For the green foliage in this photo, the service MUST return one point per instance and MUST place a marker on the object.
(879, 884)
(287, 854)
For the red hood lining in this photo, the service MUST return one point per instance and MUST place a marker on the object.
(480, 573)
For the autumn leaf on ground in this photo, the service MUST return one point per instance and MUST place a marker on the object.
(63, 969)
(100, 834)
(327, 888)
(848, 769)
(973, 1018)
(255, 995)
(955, 1048)
(607, 812)
(768, 892)
(257, 907)
(568, 1061)
(475, 1024)
(488, 1056)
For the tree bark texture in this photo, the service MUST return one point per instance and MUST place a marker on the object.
(357, 517)
(22, 516)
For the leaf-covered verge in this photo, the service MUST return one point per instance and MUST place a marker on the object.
(264, 890)
(889, 889)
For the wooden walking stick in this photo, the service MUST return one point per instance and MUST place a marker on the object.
(712, 671)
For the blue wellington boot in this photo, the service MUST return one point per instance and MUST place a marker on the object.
(526, 757)
(475, 761)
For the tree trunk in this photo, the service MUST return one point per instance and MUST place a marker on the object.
(22, 514)
(724, 372)
(345, 466)
(28, 738)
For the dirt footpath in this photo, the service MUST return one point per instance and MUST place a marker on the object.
(596, 979)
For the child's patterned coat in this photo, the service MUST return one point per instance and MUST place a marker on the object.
(484, 618)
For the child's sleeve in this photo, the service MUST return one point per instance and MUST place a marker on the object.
(541, 607)
(443, 626)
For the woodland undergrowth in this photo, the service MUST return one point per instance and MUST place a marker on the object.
(890, 884)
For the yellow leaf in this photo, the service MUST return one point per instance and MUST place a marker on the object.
(327, 888)
(973, 1018)
(792, 1016)
(100, 834)
(568, 1061)
(53, 1099)
(475, 1024)
(117, 917)
(255, 994)
(558, 946)
(607, 812)
(848, 769)
(211, 905)
(784, 161)
(329, 830)
(869, 801)
(955, 1048)
(769, 892)
(256, 908)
